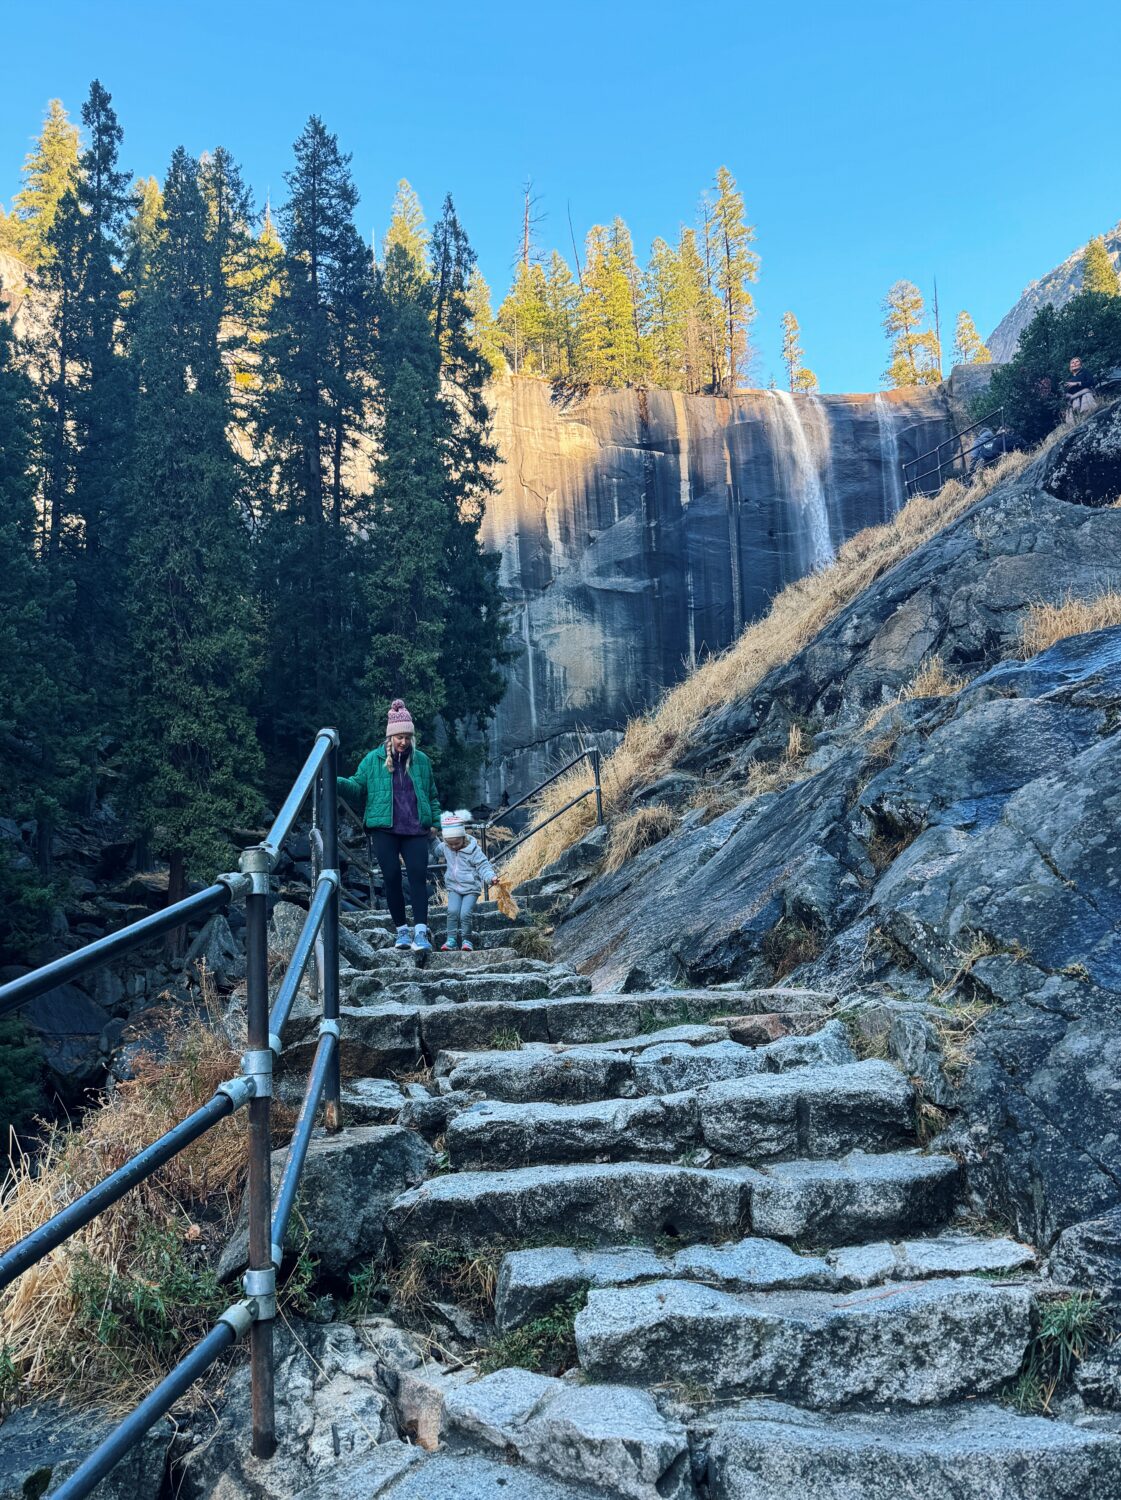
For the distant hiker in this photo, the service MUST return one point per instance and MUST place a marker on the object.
(467, 870)
(395, 783)
(1079, 392)
(984, 449)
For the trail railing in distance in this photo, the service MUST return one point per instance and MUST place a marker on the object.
(251, 1088)
(595, 790)
(950, 459)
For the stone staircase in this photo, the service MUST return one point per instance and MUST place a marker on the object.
(771, 1289)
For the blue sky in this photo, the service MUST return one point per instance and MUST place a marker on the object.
(972, 142)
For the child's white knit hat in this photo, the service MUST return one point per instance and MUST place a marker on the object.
(452, 825)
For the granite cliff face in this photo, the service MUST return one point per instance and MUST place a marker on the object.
(642, 529)
(1057, 287)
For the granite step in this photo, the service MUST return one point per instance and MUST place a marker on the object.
(530, 1282)
(974, 1450)
(596, 1204)
(859, 1197)
(808, 1112)
(910, 1344)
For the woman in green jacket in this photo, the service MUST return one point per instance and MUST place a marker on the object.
(402, 805)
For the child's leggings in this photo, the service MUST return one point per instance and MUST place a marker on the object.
(459, 915)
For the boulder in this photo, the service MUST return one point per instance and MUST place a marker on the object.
(348, 1183)
(41, 1445)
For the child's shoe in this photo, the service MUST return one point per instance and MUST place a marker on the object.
(466, 947)
(420, 939)
(404, 938)
(448, 948)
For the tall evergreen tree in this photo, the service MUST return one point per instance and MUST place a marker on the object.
(50, 171)
(316, 371)
(799, 378)
(42, 708)
(969, 346)
(608, 343)
(406, 227)
(475, 628)
(562, 295)
(698, 310)
(523, 320)
(735, 264)
(405, 592)
(1099, 274)
(665, 316)
(141, 234)
(191, 750)
(484, 328)
(913, 360)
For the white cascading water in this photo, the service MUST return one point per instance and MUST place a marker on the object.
(889, 458)
(801, 473)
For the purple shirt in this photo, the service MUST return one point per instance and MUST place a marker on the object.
(406, 814)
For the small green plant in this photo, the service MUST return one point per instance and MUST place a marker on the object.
(546, 1345)
(442, 1271)
(535, 941)
(1066, 1327)
(368, 1286)
(506, 1039)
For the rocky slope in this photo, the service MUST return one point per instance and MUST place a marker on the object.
(1057, 287)
(640, 529)
(963, 848)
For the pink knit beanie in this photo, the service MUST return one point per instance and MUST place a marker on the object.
(399, 721)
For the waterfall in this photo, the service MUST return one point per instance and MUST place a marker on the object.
(889, 458)
(531, 686)
(801, 474)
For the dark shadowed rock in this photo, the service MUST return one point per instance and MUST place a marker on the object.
(42, 1445)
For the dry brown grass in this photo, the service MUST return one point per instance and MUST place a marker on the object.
(773, 776)
(637, 831)
(933, 681)
(103, 1317)
(1047, 623)
(653, 742)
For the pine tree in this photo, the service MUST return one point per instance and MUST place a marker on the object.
(50, 171)
(406, 227)
(913, 359)
(191, 749)
(562, 295)
(799, 378)
(141, 234)
(101, 401)
(735, 266)
(474, 617)
(523, 321)
(1099, 274)
(316, 371)
(42, 708)
(607, 339)
(664, 316)
(698, 315)
(484, 328)
(969, 347)
(404, 587)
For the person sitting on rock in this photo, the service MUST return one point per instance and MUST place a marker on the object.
(1079, 391)
(467, 869)
(401, 805)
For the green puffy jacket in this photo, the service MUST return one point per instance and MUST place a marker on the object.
(372, 786)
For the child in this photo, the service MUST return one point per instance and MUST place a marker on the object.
(467, 870)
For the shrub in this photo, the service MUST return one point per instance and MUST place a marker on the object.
(637, 831)
(547, 1344)
(1030, 385)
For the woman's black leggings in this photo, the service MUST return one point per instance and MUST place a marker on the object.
(388, 849)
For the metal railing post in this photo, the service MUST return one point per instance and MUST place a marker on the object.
(258, 1063)
(599, 789)
(329, 819)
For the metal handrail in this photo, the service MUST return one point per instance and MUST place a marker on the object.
(595, 790)
(252, 1087)
(943, 468)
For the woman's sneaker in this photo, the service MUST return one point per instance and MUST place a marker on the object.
(421, 943)
(467, 947)
(404, 938)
